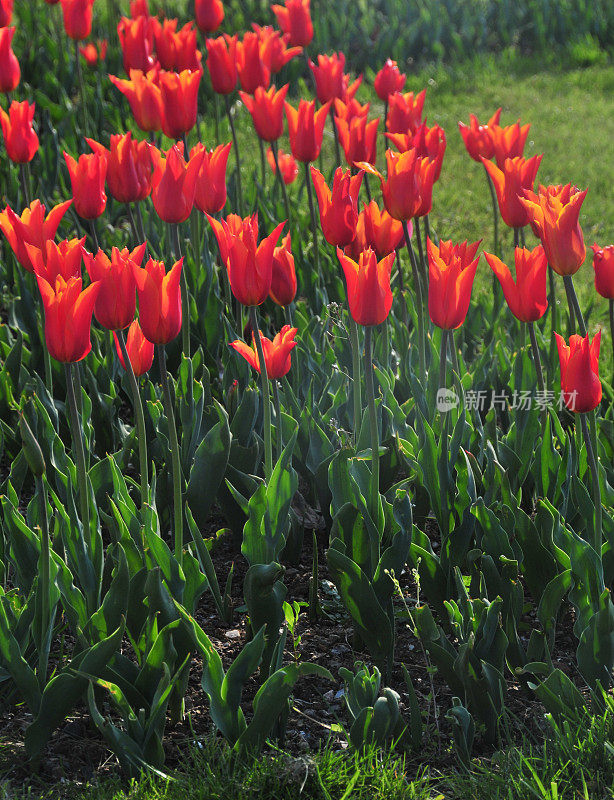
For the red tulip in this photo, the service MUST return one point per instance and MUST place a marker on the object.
(139, 8)
(603, 264)
(276, 353)
(276, 46)
(350, 108)
(408, 187)
(20, 139)
(267, 108)
(128, 167)
(579, 362)
(328, 76)
(68, 317)
(283, 280)
(180, 101)
(174, 183)
(378, 230)
(405, 112)
(209, 15)
(249, 264)
(92, 54)
(10, 73)
(116, 303)
(253, 63)
(427, 142)
(87, 176)
(77, 18)
(136, 40)
(451, 274)
(287, 165)
(306, 129)
(210, 192)
(6, 12)
(31, 228)
(553, 215)
(477, 138)
(159, 300)
(295, 20)
(368, 286)
(140, 350)
(61, 260)
(511, 183)
(388, 80)
(508, 141)
(358, 139)
(143, 93)
(526, 297)
(339, 208)
(176, 49)
(222, 63)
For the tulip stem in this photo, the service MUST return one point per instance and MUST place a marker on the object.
(419, 304)
(139, 417)
(365, 180)
(372, 424)
(77, 440)
(572, 298)
(262, 163)
(94, 235)
(280, 431)
(422, 262)
(592, 462)
(495, 212)
(536, 358)
(314, 221)
(81, 88)
(176, 466)
(185, 295)
(139, 219)
(356, 384)
(268, 447)
(133, 228)
(25, 188)
(612, 330)
(237, 156)
(281, 181)
(554, 323)
(443, 473)
(45, 580)
(336, 135)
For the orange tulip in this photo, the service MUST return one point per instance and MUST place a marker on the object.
(31, 228)
(209, 15)
(451, 274)
(276, 353)
(349, 108)
(368, 286)
(287, 165)
(339, 208)
(477, 138)
(174, 183)
(180, 101)
(222, 63)
(77, 18)
(306, 129)
(508, 141)
(267, 108)
(427, 142)
(20, 138)
(283, 280)
(276, 45)
(408, 187)
(378, 230)
(10, 72)
(57, 260)
(159, 300)
(358, 139)
(68, 317)
(87, 176)
(210, 191)
(128, 167)
(526, 297)
(388, 80)
(579, 362)
(511, 183)
(143, 93)
(93, 54)
(140, 350)
(603, 264)
(137, 43)
(405, 111)
(295, 20)
(553, 214)
(116, 303)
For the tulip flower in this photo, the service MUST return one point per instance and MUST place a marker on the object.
(451, 274)
(87, 177)
(6, 12)
(377, 230)
(408, 187)
(283, 280)
(287, 165)
(222, 63)
(579, 363)
(249, 264)
(368, 286)
(159, 300)
(68, 317)
(508, 141)
(32, 228)
(276, 46)
(266, 108)
(174, 183)
(93, 54)
(53, 260)
(129, 167)
(404, 111)
(253, 63)
(10, 72)
(209, 15)
(388, 80)
(306, 129)
(526, 297)
(139, 8)
(329, 77)
(180, 101)
(136, 40)
(116, 303)
(358, 139)
(511, 183)
(276, 353)
(210, 191)
(477, 138)
(295, 20)
(140, 350)
(350, 108)
(145, 98)
(427, 142)
(603, 265)
(20, 139)
(553, 213)
(176, 49)
(77, 18)
(339, 208)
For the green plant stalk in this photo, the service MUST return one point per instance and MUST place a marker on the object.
(266, 400)
(82, 102)
(262, 163)
(237, 156)
(495, 212)
(45, 580)
(419, 304)
(372, 422)
(278, 422)
(141, 224)
(25, 183)
(77, 438)
(356, 384)
(185, 295)
(592, 462)
(570, 303)
(140, 419)
(536, 357)
(421, 259)
(612, 332)
(367, 186)
(175, 462)
(443, 477)
(554, 316)
(133, 228)
(572, 298)
(336, 135)
(314, 221)
(284, 191)
(94, 235)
